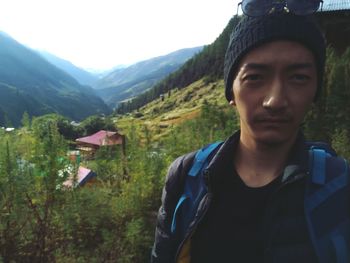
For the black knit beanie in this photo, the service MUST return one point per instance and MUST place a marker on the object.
(255, 31)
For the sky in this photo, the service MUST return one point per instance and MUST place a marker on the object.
(101, 34)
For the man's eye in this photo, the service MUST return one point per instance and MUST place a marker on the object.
(252, 77)
(300, 77)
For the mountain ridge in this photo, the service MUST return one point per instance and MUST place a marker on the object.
(82, 76)
(31, 84)
(128, 82)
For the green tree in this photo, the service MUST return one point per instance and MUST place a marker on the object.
(26, 121)
(96, 123)
(329, 115)
(341, 143)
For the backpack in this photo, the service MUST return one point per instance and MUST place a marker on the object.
(326, 203)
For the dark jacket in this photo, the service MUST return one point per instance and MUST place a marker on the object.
(284, 213)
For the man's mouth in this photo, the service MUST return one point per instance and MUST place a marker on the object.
(274, 120)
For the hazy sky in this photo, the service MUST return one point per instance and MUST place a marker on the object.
(101, 34)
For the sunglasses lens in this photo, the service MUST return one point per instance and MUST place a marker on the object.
(256, 7)
(303, 7)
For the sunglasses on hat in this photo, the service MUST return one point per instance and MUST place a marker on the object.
(255, 8)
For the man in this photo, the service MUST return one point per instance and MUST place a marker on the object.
(253, 209)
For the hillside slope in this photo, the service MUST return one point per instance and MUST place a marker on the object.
(126, 83)
(29, 83)
(163, 114)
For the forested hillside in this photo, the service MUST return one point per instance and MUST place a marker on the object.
(28, 83)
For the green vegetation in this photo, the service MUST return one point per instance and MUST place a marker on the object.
(329, 119)
(69, 131)
(112, 220)
(162, 115)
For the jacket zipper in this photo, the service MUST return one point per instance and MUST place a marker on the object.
(208, 197)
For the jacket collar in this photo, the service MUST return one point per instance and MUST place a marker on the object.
(297, 161)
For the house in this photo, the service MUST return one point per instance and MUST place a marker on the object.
(74, 123)
(84, 176)
(90, 144)
(334, 18)
(74, 157)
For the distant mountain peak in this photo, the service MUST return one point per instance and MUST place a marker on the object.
(126, 83)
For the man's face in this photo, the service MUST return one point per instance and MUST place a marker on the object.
(273, 89)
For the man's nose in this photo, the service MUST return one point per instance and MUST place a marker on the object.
(276, 96)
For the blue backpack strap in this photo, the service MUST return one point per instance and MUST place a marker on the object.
(319, 165)
(327, 205)
(201, 157)
(194, 190)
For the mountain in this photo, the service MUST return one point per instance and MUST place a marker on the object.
(30, 83)
(207, 64)
(82, 76)
(101, 73)
(126, 83)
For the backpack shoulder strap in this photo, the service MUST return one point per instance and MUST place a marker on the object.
(194, 189)
(318, 157)
(327, 205)
(201, 158)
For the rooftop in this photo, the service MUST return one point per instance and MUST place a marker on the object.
(335, 5)
(99, 138)
(83, 175)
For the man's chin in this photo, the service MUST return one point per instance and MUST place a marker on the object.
(274, 139)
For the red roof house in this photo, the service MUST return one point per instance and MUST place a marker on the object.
(101, 138)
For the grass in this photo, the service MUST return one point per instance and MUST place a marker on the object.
(175, 107)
